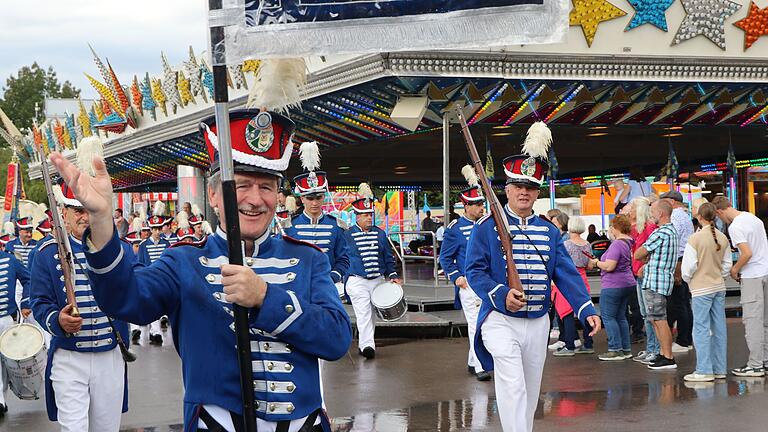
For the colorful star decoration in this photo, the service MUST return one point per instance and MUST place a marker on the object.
(707, 18)
(754, 25)
(590, 13)
(650, 12)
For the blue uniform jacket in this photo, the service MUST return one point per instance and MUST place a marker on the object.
(533, 239)
(302, 320)
(453, 252)
(11, 270)
(15, 246)
(24, 304)
(48, 297)
(170, 238)
(369, 253)
(149, 251)
(327, 233)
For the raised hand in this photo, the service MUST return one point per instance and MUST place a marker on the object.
(94, 192)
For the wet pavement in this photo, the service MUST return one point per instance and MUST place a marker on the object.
(422, 385)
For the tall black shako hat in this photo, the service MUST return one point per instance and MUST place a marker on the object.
(261, 141)
(530, 168)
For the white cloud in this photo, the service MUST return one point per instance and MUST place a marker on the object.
(130, 33)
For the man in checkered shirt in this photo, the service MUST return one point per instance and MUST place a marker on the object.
(660, 254)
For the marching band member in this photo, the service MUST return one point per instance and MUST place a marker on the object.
(167, 232)
(14, 274)
(314, 225)
(45, 227)
(452, 258)
(295, 314)
(8, 231)
(196, 220)
(85, 378)
(370, 263)
(149, 251)
(512, 334)
(24, 243)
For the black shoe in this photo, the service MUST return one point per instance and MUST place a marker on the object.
(483, 376)
(662, 362)
(3, 410)
(164, 322)
(135, 336)
(471, 370)
(156, 339)
(367, 352)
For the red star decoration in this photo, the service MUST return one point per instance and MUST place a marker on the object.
(754, 25)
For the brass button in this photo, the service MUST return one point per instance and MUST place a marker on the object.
(290, 387)
(266, 346)
(95, 332)
(272, 407)
(210, 278)
(288, 367)
(249, 261)
(293, 261)
(270, 366)
(217, 295)
(272, 386)
(288, 308)
(291, 276)
(289, 408)
(204, 260)
(109, 341)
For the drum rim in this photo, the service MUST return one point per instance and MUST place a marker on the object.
(399, 300)
(20, 325)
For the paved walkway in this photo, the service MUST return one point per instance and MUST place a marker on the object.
(422, 385)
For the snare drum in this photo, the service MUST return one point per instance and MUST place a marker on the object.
(23, 353)
(389, 301)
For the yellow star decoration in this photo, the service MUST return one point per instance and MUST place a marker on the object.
(590, 13)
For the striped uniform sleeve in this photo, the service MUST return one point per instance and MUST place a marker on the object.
(478, 267)
(449, 252)
(43, 286)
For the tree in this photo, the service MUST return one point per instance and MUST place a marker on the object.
(30, 86)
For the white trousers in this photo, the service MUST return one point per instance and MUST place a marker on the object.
(359, 290)
(519, 348)
(5, 322)
(470, 304)
(89, 390)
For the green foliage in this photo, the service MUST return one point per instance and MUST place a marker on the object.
(30, 86)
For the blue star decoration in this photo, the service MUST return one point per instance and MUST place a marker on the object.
(649, 12)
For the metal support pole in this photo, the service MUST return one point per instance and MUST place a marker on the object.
(446, 169)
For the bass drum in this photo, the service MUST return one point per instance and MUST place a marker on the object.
(22, 348)
(389, 301)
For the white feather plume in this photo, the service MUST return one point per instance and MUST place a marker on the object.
(290, 204)
(196, 210)
(87, 149)
(27, 209)
(364, 190)
(206, 227)
(136, 224)
(9, 228)
(278, 84)
(43, 208)
(309, 153)
(158, 209)
(58, 194)
(143, 214)
(470, 175)
(182, 220)
(538, 140)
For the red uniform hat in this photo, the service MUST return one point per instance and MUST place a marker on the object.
(156, 221)
(261, 141)
(45, 226)
(363, 205)
(25, 223)
(472, 195)
(185, 234)
(530, 168)
(132, 237)
(5, 238)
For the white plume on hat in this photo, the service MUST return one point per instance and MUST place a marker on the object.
(26, 209)
(158, 209)
(196, 210)
(278, 84)
(309, 153)
(87, 149)
(182, 220)
(290, 203)
(43, 208)
(9, 228)
(136, 224)
(142, 214)
(537, 141)
(470, 175)
(58, 194)
(206, 227)
(365, 191)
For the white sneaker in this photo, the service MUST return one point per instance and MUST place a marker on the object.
(680, 349)
(555, 346)
(577, 343)
(699, 377)
(554, 333)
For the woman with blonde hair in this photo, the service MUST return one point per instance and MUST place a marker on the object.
(706, 262)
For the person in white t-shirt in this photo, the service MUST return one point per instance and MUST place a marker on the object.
(747, 233)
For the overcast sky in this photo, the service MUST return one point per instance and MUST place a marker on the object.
(130, 33)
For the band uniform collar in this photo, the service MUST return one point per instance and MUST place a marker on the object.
(519, 219)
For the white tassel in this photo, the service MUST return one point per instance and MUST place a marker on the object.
(9, 228)
(58, 194)
(537, 141)
(136, 224)
(158, 209)
(364, 190)
(196, 210)
(89, 148)
(290, 204)
(206, 227)
(309, 154)
(470, 175)
(182, 219)
(278, 85)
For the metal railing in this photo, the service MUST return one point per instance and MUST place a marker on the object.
(400, 252)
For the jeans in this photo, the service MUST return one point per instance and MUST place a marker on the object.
(635, 317)
(679, 309)
(613, 307)
(651, 343)
(569, 333)
(709, 316)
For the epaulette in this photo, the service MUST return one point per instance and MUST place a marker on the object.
(47, 243)
(143, 241)
(290, 239)
(199, 243)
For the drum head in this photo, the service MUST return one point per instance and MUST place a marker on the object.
(387, 295)
(21, 341)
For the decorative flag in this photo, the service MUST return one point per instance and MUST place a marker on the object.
(673, 167)
(11, 192)
(300, 28)
(731, 160)
(489, 170)
(426, 205)
(554, 167)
